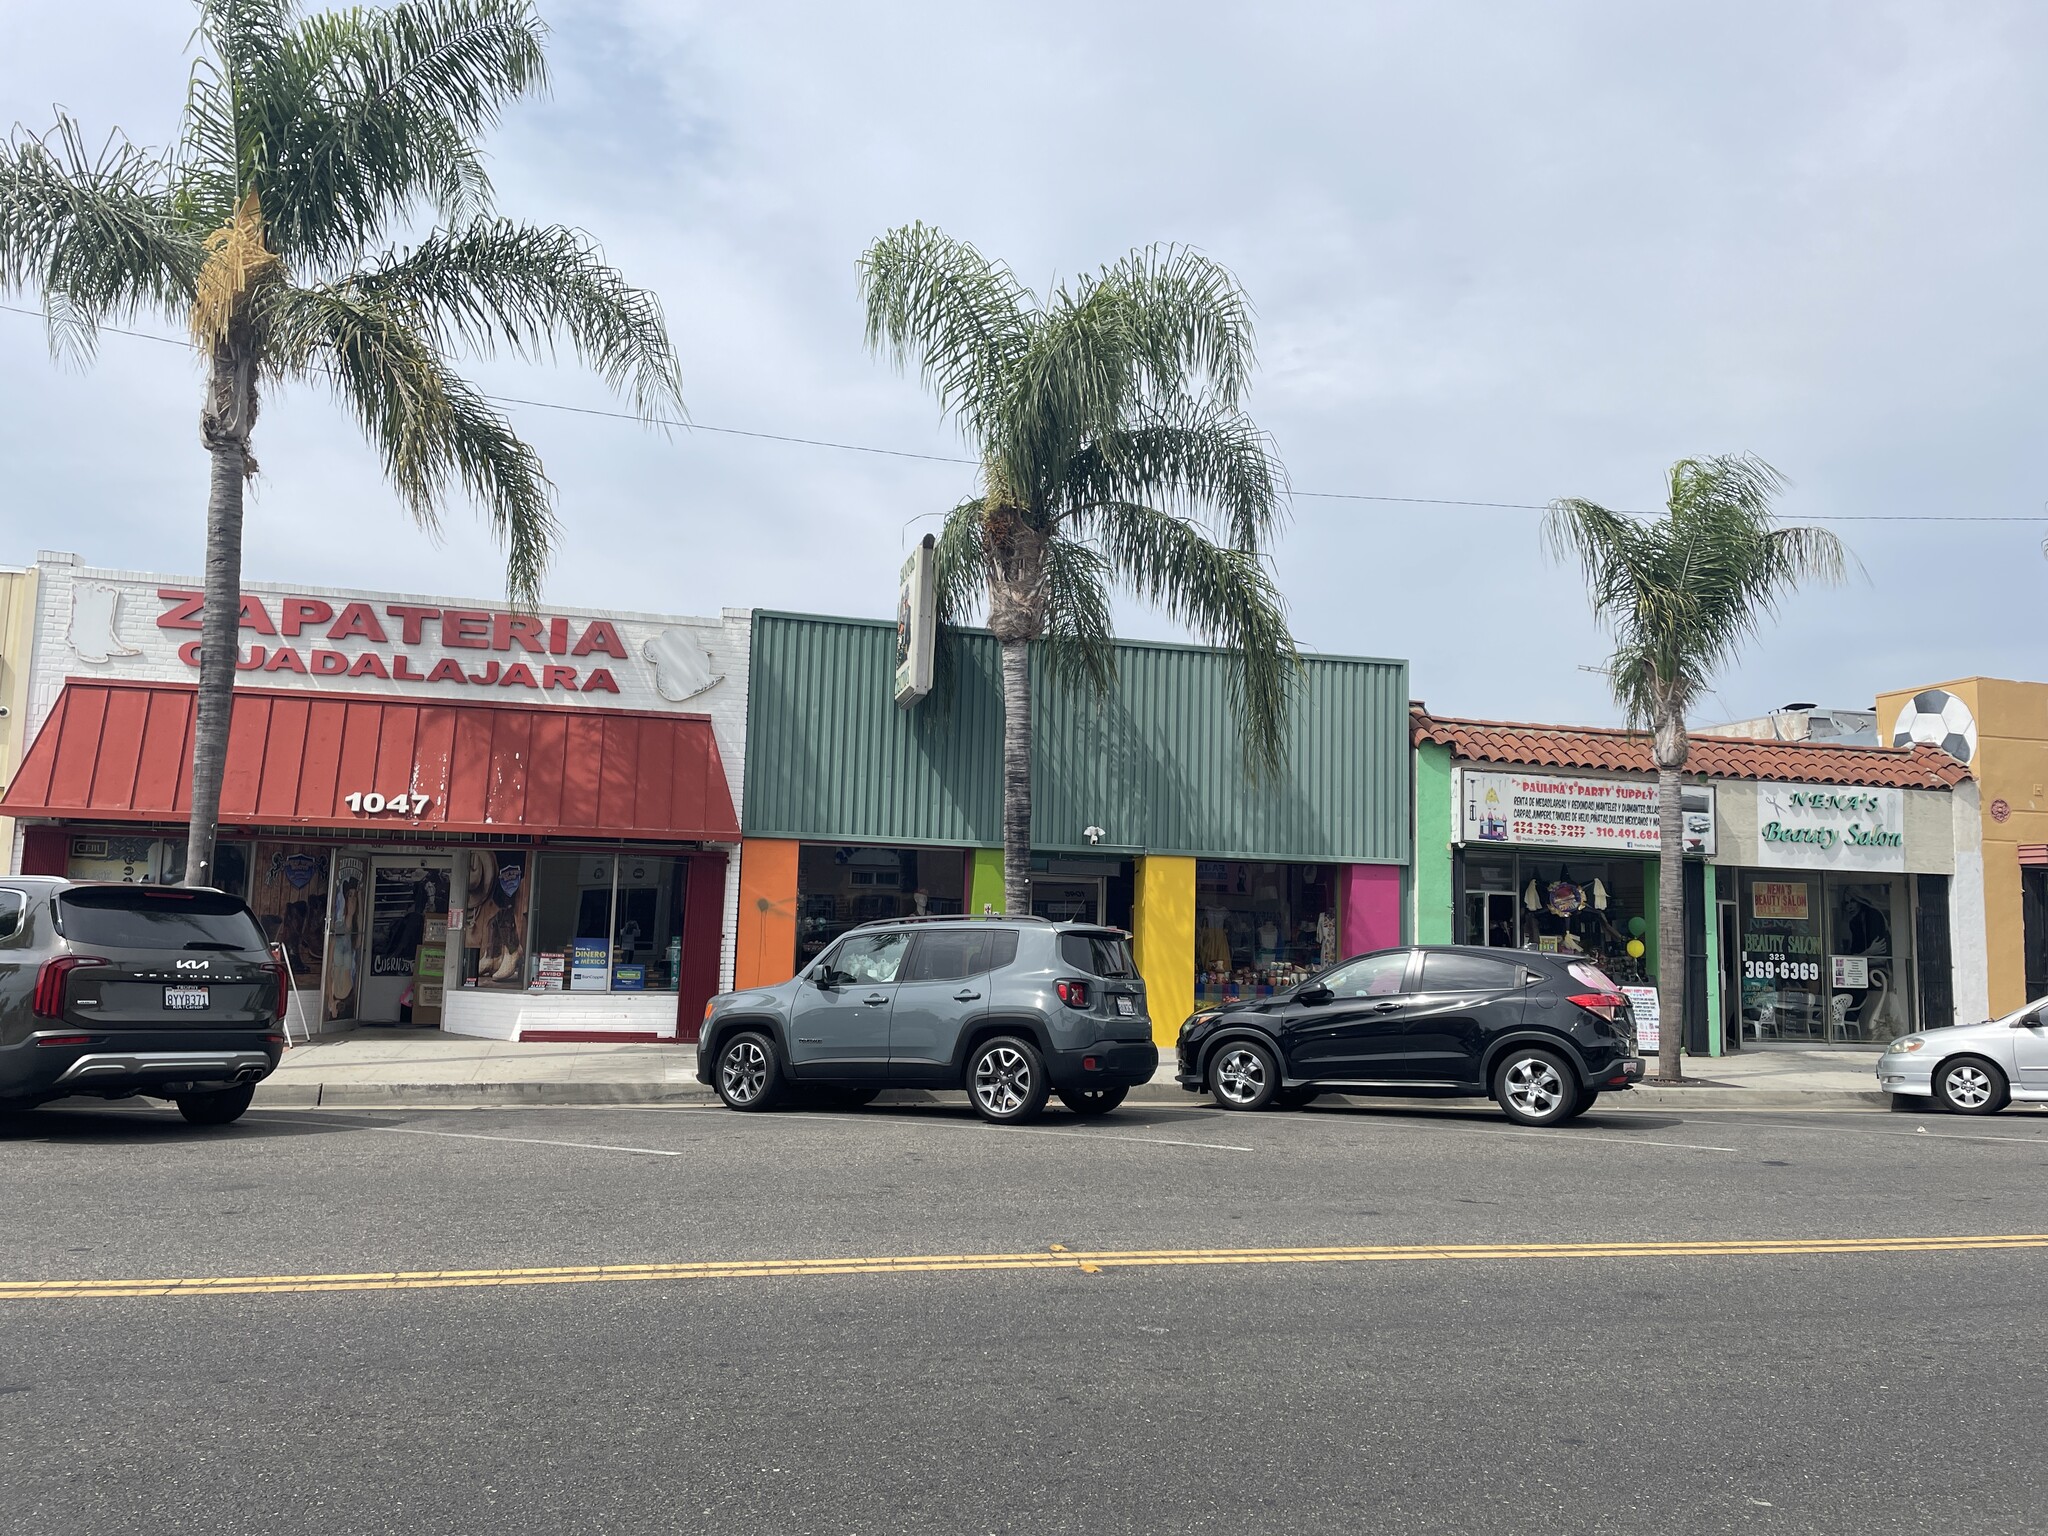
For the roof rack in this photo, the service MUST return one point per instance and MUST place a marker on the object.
(957, 917)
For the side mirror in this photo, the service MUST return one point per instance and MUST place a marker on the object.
(1314, 995)
(819, 975)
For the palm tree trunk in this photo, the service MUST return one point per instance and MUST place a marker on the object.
(230, 413)
(1016, 776)
(1670, 923)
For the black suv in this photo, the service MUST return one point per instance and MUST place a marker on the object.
(1544, 1035)
(116, 990)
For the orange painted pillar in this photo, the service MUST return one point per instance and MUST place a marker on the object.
(764, 949)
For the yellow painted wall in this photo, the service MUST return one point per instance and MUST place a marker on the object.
(17, 635)
(1164, 939)
(2011, 766)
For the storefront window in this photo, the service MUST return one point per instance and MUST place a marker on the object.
(1869, 991)
(1261, 928)
(838, 888)
(606, 922)
(1591, 907)
(1782, 992)
(647, 924)
(289, 896)
(494, 918)
(1826, 958)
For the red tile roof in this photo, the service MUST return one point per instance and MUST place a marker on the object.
(1713, 757)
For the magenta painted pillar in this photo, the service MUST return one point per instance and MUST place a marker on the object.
(1371, 906)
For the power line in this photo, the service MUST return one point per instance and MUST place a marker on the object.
(941, 458)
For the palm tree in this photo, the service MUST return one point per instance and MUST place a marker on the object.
(1680, 594)
(1113, 452)
(309, 141)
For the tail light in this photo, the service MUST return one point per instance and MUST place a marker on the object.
(64, 1040)
(1073, 993)
(283, 978)
(1607, 1004)
(51, 983)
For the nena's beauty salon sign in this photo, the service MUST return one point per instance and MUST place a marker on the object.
(1823, 826)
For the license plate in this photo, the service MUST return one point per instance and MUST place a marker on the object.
(180, 998)
(1126, 1005)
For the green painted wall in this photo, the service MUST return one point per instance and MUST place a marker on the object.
(985, 880)
(1433, 848)
(1714, 1046)
(1157, 765)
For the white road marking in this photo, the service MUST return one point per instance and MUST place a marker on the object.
(1597, 1140)
(1150, 1141)
(529, 1141)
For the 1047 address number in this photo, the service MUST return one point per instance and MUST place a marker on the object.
(373, 804)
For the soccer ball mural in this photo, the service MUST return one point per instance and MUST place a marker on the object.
(1939, 718)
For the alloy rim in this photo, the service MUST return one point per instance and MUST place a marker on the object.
(745, 1072)
(1002, 1081)
(1968, 1086)
(1241, 1075)
(1535, 1087)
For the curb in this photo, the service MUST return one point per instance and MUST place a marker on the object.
(568, 1094)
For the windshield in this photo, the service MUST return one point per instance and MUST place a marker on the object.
(156, 917)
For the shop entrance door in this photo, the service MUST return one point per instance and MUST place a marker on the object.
(1063, 899)
(1490, 919)
(407, 913)
(1731, 978)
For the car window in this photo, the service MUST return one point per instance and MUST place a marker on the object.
(1099, 954)
(871, 957)
(1002, 948)
(12, 905)
(1374, 976)
(948, 956)
(1448, 972)
(156, 917)
(1587, 974)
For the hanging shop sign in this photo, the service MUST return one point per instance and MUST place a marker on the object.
(1562, 811)
(917, 622)
(1817, 826)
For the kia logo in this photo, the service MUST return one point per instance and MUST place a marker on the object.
(194, 965)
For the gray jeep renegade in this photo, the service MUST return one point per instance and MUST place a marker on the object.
(1010, 1009)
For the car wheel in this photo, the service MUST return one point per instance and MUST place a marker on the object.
(747, 1076)
(1298, 1098)
(1006, 1080)
(1093, 1101)
(1535, 1087)
(1244, 1074)
(1971, 1085)
(222, 1107)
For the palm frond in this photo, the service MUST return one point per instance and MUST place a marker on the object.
(962, 318)
(1080, 631)
(94, 234)
(430, 426)
(1189, 321)
(1225, 596)
(960, 563)
(495, 283)
(361, 115)
(1199, 459)
(1682, 592)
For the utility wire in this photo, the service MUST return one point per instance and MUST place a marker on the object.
(941, 458)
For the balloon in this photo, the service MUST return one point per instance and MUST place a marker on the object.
(1635, 949)
(1638, 927)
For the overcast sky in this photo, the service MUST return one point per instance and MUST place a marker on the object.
(1500, 252)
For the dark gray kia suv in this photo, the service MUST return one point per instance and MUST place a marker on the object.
(110, 991)
(1010, 1009)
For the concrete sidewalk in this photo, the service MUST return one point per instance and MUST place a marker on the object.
(423, 1068)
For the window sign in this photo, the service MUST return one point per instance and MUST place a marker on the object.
(1822, 826)
(1565, 811)
(589, 959)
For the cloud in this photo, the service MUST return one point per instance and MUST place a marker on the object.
(1499, 253)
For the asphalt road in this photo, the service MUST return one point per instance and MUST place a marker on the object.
(1793, 1390)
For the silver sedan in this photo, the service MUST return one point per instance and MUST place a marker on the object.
(1971, 1069)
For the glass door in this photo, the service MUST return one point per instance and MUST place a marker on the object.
(408, 932)
(1063, 899)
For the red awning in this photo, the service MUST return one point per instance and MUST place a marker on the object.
(120, 751)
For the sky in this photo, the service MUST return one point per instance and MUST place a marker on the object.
(1499, 252)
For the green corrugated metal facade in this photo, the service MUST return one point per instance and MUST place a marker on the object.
(1158, 765)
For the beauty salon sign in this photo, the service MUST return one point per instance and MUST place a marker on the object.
(1817, 826)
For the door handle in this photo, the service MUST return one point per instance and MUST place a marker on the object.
(876, 1001)
(966, 997)
(1385, 1007)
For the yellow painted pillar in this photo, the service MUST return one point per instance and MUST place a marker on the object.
(1164, 920)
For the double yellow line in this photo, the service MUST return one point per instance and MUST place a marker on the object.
(1055, 1258)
